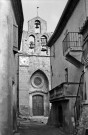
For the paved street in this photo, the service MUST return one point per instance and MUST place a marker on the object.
(28, 127)
(40, 130)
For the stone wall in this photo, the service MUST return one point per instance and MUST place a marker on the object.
(83, 121)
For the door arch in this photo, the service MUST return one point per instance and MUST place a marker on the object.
(38, 105)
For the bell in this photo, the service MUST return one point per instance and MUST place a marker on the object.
(44, 48)
(31, 45)
(36, 25)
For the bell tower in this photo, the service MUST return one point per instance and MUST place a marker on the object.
(34, 69)
(37, 25)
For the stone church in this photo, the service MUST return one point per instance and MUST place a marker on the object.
(34, 69)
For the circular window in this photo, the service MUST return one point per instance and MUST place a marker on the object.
(37, 81)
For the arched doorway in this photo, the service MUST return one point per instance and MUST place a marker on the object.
(38, 105)
(39, 94)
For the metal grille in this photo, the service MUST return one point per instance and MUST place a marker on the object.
(72, 40)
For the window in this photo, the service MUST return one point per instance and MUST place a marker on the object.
(51, 71)
(66, 74)
(37, 81)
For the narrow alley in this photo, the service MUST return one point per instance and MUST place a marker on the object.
(37, 127)
(43, 67)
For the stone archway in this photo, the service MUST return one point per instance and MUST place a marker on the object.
(39, 94)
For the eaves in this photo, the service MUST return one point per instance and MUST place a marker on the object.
(18, 12)
(70, 7)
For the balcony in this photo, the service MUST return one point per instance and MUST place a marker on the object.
(72, 48)
(63, 91)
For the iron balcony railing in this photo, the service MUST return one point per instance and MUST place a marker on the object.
(72, 41)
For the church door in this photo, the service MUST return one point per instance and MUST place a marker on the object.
(38, 105)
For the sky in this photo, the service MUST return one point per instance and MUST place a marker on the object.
(49, 10)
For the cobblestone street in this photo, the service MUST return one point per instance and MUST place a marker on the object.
(32, 127)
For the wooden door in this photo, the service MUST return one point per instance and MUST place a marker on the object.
(38, 105)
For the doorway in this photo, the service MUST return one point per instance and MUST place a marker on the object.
(38, 105)
(60, 115)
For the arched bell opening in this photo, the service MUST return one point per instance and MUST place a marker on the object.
(37, 26)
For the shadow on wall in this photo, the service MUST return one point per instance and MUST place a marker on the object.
(56, 115)
(52, 120)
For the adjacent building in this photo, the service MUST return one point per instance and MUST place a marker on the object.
(69, 71)
(34, 70)
(11, 23)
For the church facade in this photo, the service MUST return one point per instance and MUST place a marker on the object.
(34, 69)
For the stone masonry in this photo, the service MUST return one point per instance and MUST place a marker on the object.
(34, 70)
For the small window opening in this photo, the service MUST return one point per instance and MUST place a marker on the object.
(66, 74)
